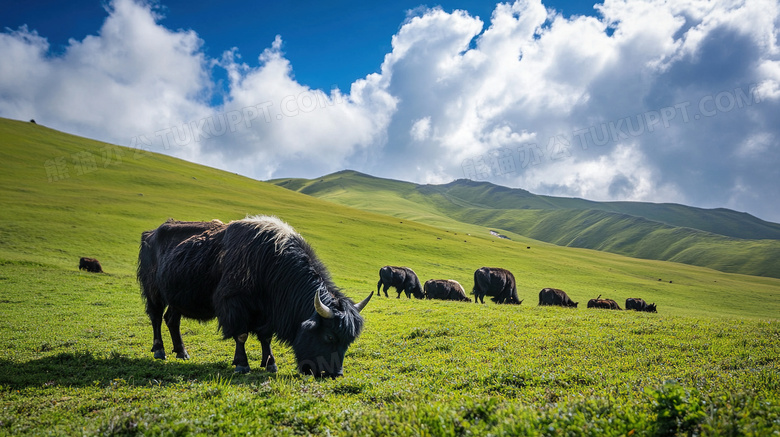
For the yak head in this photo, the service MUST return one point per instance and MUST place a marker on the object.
(324, 338)
(651, 308)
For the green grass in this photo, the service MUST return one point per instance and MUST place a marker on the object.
(74, 347)
(720, 239)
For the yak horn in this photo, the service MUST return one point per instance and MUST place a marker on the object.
(362, 304)
(321, 308)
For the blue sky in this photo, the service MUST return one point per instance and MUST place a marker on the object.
(328, 43)
(642, 100)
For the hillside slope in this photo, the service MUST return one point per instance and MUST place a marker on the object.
(62, 197)
(720, 239)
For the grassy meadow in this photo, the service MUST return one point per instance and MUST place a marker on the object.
(74, 346)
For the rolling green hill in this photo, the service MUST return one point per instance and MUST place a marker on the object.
(720, 239)
(95, 206)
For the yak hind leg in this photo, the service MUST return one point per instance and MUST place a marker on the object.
(173, 321)
(240, 359)
(268, 360)
(379, 286)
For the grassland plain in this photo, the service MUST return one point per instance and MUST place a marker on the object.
(74, 347)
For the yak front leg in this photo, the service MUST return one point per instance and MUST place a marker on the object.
(269, 362)
(173, 320)
(155, 312)
(239, 359)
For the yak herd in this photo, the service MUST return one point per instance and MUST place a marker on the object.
(497, 283)
(257, 276)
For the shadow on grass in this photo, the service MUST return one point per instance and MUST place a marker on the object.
(82, 369)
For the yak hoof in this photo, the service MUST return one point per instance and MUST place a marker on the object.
(271, 368)
(159, 354)
(242, 369)
(183, 355)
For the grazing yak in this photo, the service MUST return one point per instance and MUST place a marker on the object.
(90, 264)
(256, 276)
(635, 303)
(496, 282)
(554, 296)
(608, 304)
(402, 278)
(445, 289)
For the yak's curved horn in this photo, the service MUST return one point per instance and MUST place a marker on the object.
(321, 308)
(362, 304)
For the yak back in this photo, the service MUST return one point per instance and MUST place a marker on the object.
(157, 243)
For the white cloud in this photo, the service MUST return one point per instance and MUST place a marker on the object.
(132, 76)
(451, 91)
(421, 129)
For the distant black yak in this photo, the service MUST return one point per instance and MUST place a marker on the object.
(255, 275)
(635, 303)
(496, 282)
(445, 289)
(90, 264)
(402, 278)
(608, 304)
(592, 302)
(554, 296)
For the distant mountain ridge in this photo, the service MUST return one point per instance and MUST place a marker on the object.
(720, 221)
(719, 238)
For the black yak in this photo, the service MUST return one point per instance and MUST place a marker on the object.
(90, 264)
(608, 304)
(593, 302)
(635, 303)
(402, 278)
(496, 282)
(554, 296)
(255, 275)
(445, 289)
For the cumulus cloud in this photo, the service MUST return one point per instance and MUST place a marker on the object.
(646, 100)
(132, 75)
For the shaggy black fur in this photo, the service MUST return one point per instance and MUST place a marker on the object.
(259, 276)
